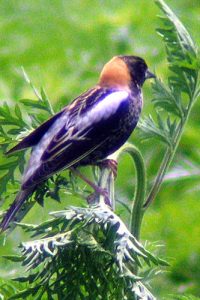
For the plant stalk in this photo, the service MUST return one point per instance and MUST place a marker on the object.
(168, 157)
(140, 189)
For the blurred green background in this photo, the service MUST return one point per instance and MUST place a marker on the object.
(63, 45)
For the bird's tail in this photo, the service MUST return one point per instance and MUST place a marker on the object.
(13, 214)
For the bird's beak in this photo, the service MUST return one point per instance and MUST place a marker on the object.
(149, 75)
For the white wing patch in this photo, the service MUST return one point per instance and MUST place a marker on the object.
(38, 150)
(104, 109)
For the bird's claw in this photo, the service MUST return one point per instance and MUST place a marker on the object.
(110, 164)
(92, 198)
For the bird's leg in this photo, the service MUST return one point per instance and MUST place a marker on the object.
(91, 199)
(96, 188)
(110, 164)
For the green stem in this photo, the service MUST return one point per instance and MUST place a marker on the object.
(139, 195)
(106, 181)
(168, 157)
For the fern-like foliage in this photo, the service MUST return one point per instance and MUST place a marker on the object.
(173, 103)
(83, 253)
(14, 126)
(16, 123)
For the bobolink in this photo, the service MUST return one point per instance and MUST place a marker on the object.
(85, 132)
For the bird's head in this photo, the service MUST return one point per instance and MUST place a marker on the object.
(124, 71)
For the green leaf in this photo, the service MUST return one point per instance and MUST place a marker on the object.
(149, 129)
(185, 38)
(165, 99)
(25, 293)
(182, 53)
(33, 103)
(47, 101)
(14, 258)
(18, 112)
(8, 165)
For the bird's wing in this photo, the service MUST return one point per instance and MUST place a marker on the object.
(34, 137)
(83, 128)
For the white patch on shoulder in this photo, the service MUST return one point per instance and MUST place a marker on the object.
(104, 109)
(38, 150)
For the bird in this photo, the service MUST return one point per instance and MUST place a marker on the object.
(86, 131)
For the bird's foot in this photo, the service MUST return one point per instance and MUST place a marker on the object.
(98, 190)
(93, 198)
(110, 164)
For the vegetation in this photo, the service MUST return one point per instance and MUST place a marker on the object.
(121, 267)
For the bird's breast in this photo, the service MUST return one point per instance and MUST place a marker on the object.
(117, 131)
(129, 118)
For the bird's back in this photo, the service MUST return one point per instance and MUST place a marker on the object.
(85, 135)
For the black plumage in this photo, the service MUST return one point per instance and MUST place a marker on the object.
(86, 131)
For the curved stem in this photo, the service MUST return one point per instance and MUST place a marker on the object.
(140, 190)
